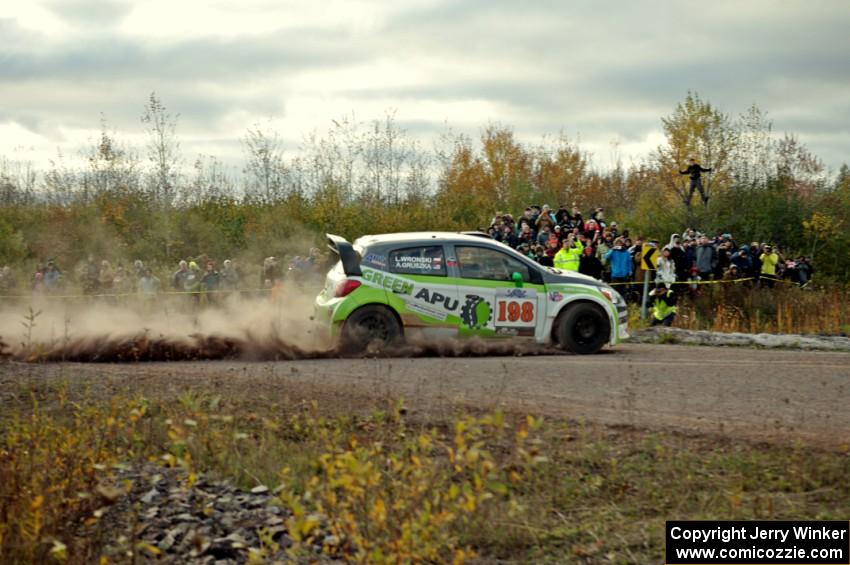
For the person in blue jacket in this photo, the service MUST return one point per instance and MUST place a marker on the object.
(622, 266)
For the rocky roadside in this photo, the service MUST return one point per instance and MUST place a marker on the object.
(162, 519)
(660, 334)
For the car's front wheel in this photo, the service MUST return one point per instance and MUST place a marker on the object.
(371, 326)
(583, 328)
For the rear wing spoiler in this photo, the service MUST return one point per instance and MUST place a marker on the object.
(349, 257)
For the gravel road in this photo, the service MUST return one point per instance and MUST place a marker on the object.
(758, 394)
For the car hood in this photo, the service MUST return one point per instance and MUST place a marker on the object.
(551, 275)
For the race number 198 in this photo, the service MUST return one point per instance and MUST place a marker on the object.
(515, 311)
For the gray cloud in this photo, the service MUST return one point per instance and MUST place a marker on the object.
(604, 70)
(226, 60)
(91, 13)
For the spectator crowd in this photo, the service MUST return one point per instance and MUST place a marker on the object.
(562, 238)
(594, 246)
(199, 278)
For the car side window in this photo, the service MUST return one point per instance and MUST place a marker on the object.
(489, 264)
(424, 260)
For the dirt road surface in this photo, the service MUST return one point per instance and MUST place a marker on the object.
(758, 394)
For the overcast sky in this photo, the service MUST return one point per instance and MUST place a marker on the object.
(598, 71)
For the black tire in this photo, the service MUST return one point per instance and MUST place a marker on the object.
(583, 328)
(370, 327)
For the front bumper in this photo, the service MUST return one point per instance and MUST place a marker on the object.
(622, 323)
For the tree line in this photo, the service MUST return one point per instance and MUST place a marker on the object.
(372, 176)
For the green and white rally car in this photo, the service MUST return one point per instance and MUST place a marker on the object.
(385, 287)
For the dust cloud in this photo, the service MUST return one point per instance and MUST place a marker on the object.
(245, 328)
(173, 329)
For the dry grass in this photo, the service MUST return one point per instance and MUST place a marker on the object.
(785, 309)
(396, 487)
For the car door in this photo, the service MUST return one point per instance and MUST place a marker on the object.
(491, 303)
(432, 303)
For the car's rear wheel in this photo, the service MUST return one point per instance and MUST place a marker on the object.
(370, 327)
(583, 328)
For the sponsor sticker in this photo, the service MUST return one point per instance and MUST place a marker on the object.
(376, 260)
(425, 311)
(476, 312)
(516, 293)
(395, 284)
(555, 296)
(435, 297)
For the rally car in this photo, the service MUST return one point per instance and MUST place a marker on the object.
(386, 287)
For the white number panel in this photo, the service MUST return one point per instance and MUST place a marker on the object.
(515, 308)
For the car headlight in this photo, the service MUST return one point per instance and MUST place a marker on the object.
(612, 295)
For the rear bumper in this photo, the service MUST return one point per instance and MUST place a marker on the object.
(323, 313)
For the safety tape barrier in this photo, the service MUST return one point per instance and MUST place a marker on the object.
(707, 282)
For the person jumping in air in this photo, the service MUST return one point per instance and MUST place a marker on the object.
(695, 171)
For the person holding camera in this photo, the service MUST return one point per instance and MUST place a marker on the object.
(569, 256)
(508, 236)
(546, 218)
(575, 219)
(544, 235)
(769, 259)
(525, 249)
(598, 216)
(543, 257)
(592, 231)
(525, 235)
(562, 216)
(622, 266)
(742, 260)
(590, 264)
(805, 270)
(606, 245)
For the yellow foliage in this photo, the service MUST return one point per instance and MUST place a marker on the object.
(822, 224)
(407, 498)
(53, 473)
(406, 503)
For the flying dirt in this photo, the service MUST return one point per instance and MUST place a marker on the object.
(252, 329)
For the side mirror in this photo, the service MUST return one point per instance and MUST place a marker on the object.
(517, 279)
